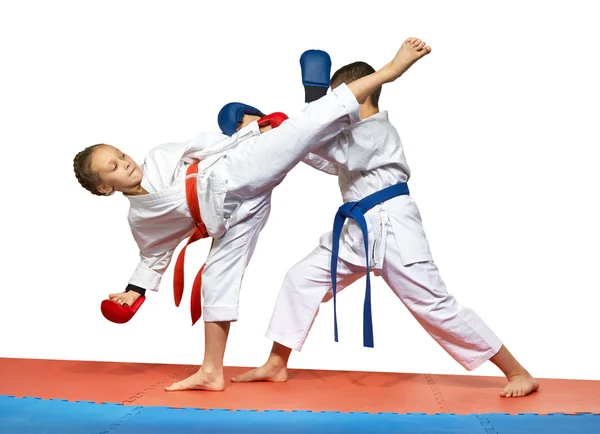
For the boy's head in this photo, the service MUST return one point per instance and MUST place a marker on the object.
(353, 71)
(103, 169)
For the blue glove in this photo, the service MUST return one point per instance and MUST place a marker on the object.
(231, 116)
(316, 72)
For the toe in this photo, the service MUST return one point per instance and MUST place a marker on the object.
(240, 378)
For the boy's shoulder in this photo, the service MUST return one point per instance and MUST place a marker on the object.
(381, 116)
(379, 122)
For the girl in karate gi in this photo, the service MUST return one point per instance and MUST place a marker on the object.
(233, 178)
(368, 157)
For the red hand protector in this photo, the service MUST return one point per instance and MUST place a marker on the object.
(118, 313)
(274, 119)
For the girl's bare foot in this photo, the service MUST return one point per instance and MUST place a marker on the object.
(211, 381)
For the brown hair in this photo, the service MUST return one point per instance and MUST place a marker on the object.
(353, 71)
(82, 165)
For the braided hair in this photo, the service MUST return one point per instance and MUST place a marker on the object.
(82, 165)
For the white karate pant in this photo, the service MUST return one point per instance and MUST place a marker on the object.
(251, 171)
(228, 258)
(262, 163)
(419, 286)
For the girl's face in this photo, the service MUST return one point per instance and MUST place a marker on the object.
(117, 171)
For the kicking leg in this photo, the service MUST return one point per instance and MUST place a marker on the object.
(260, 164)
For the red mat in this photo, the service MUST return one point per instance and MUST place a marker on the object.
(143, 385)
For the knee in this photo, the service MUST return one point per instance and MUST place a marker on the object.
(304, 280)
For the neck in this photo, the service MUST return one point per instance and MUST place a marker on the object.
(367, 110)
(138, 190)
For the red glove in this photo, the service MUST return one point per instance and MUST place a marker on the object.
(119, 313)
(274, 119)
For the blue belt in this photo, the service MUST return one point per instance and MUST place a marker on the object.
(356, 211)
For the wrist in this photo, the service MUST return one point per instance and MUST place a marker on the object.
(386, 73)
(135, 289)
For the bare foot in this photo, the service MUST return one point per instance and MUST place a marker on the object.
(410, 51)
(200, 381)
(520, 385)
(268, 372)
(123, 298)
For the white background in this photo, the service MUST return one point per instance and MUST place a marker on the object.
(499, 123)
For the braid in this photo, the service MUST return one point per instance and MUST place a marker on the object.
(82, 165)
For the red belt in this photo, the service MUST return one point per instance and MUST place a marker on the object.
(199, 233)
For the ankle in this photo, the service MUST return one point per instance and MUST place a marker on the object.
(517, 373)
(276, 361)
(211, 370)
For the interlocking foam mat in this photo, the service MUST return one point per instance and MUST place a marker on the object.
(56, 396)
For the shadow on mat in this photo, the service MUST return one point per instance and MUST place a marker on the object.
(362, 379)
(113, 368)
(470, 382)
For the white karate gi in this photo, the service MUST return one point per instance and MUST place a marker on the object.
(235, 179)
(367, 157)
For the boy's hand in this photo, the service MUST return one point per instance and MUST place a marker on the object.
(125, 298)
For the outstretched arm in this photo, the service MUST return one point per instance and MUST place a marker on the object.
(410, 51)
(147, 276)
(320, 164)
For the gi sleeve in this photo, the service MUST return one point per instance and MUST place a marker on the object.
(148, 273)
(320, 163)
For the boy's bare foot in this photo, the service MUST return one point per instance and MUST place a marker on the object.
(275, 372)
(520, 385)
(123, 298)
(410, 51)
(201, 380)
(520, 381)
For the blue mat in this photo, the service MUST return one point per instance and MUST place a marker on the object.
(33, 415)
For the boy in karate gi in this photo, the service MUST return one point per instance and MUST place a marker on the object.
(219, 187)
(368, 158)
